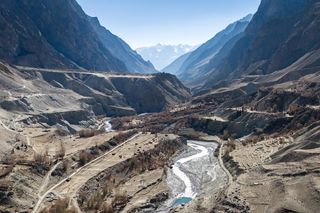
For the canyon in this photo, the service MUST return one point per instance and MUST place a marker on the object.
(95, 128)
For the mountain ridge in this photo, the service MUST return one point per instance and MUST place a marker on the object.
(58, 34)
(193, 69)
(121, 50)
(289, 21)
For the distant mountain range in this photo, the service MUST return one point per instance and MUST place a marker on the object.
(58, 34)
(193, 67)
(162, 55)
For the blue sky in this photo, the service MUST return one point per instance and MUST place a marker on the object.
(148, 22)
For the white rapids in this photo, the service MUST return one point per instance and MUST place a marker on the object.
(188, 192)
(108, 126)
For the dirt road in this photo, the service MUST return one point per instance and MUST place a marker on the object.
(69, 186)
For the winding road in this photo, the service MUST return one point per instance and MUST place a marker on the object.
(79, 172)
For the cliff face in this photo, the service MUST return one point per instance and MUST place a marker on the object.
(151, 94)
(51, 91)
(281, 33)
(121, 50)
(53, 34)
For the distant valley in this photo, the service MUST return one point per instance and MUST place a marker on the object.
(88, 124)
(162, 55)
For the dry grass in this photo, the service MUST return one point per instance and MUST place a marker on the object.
(9, 158)
(41, 162)
(253, 139)
(228, 148)
(60, 206)
(117, 123)
(62, 151)
(142, 161)
(5, 191)
(226, 134)
(6, 170)
(293, 108)
(61, 132)
(95, 202)
(87, 133)
(121, 137)
(120, 200)
(41, 159)
(107, 208)
(85, 157)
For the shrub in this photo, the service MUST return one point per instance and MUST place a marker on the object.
(60, 206)
(41, 162)
(106, 190)
(95, 201)
(5, 191)
(61, 132)
(85, 157)
(121, 137)
(62, 151)
(6, 171)
(117, 123)
(119, 201)
(226, 134)
(9, 161)
(293, 108)
(232, 144)
(124, 136)
(107, 208)
(87, 133)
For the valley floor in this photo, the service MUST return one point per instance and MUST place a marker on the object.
(57, 155)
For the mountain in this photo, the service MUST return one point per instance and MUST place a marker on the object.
(175, 66)
(38, 91)
(58, 34)
(121, 50)
(162, 55)
(267, 89)
(193, 69)
(282, 36)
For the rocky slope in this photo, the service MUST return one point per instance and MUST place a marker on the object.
(266, 114)
(43, 95)
(264, 99)
(174, 67)
(192, 69)
(260, 52)
(121, 50)
(58, 34)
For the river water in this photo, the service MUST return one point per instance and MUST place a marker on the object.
(108, 126)
(194, 172)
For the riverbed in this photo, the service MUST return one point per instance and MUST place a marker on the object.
(108, 126)
(195, 173)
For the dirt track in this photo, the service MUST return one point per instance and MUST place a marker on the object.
(120, 153)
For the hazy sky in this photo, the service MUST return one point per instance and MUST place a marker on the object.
(149, 22)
